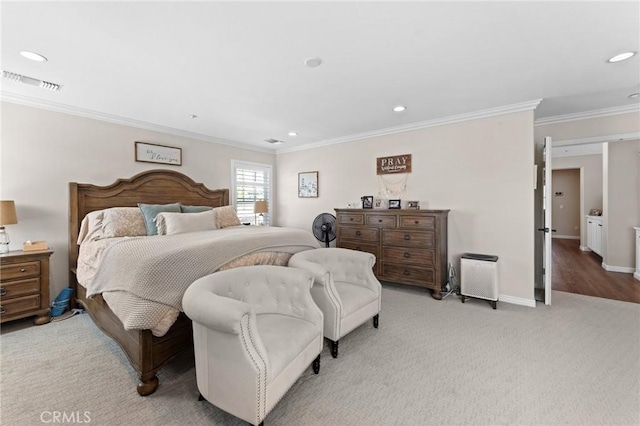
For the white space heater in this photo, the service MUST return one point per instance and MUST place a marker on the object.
(479, 277)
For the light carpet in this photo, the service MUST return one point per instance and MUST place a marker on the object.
(431, 362)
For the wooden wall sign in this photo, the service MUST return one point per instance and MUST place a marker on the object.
(394, 164)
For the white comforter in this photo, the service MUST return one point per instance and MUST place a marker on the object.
(143, 278)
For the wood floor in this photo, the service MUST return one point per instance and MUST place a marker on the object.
(577, 271)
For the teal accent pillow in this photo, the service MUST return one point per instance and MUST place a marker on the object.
(149, 212)
(194, 209)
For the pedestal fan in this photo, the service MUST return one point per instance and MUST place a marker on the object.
(324, 228)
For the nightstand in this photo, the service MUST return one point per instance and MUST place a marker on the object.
(24, 285)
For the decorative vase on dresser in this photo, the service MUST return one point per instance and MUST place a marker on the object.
(24, 286)
(410, 246)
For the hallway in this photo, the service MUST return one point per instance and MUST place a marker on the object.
(577, 271)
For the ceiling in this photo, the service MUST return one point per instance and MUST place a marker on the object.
(239, 66)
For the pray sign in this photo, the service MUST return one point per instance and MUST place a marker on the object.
(394, 164)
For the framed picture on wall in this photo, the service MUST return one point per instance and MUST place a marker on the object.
(308, 185)
(153, 153)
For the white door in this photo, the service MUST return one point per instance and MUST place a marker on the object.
(548, 199)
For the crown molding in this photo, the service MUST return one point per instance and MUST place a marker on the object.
(95, 115)
(588, 114)
(596, 139)
(475, 115)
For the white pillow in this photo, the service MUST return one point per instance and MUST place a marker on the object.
(180, 223)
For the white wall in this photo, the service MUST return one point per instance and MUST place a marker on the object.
(621, 209)
(482, 170)
(566, 203)
(42, 151)
(591, 186)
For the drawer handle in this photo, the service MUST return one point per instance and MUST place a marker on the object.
(3, 291)
(416, 222)
(23, 269)
(2, 311)
(351, 219)
(358, 233)
(407, 237)
(406, 254)
(379, 220)
(407, 272)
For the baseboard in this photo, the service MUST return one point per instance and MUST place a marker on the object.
(585, 248)
(517, 300)
(623, 269)
(566, 237)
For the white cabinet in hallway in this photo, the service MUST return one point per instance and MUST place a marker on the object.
(594, 234)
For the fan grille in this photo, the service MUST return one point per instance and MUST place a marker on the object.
(324, 228)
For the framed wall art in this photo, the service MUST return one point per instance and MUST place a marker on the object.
(152, 153)
(308, 185)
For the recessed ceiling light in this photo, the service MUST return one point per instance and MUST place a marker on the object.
(193, 116)
(634, 95)
(33, 56)
(621, 57)
(293, 133)
(313, 62)
(399, 108)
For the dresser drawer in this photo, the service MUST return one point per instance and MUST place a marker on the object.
(360, 234)
(19, 305)
(19, 288)
(424, 277)
(20, 270)
(408, 238)
(412, 256)
(368, 248)
(351, 218)
(382, 220)
(421, 222)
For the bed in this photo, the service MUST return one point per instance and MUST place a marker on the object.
(146, 352)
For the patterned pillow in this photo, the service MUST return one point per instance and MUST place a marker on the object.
(150, 211)
(180, 223)
(226, 216)
(123, 222)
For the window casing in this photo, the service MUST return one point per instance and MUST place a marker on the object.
(250, 182)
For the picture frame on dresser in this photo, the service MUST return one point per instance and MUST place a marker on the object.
(395, 204)
(367, 202)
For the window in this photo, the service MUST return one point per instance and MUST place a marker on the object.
(250, 182)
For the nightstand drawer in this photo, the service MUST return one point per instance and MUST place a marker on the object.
(20, 270)
(19, 288)
(19, 305)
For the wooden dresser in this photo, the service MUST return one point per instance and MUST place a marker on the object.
(24, 287)
(410, 246)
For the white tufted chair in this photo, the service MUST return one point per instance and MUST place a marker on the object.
(255, 330)
(344, 288)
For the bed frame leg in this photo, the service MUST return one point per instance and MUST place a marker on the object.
(147, 385)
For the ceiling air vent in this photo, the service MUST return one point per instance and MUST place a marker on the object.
(273, 141)
(30, 81)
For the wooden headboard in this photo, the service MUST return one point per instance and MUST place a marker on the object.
(150, 187)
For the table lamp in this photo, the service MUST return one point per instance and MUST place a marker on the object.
(7, 217)
(260, 207)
